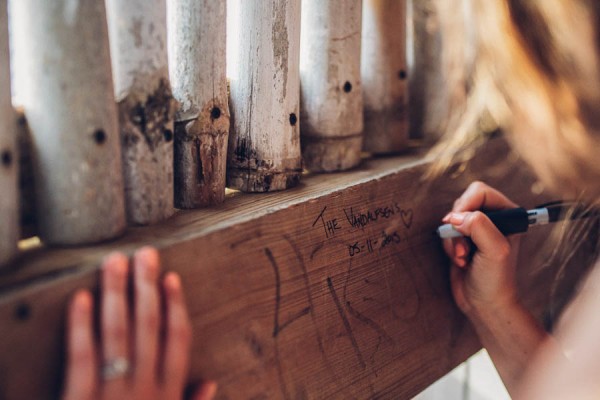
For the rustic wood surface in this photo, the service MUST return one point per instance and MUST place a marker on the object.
(67, 92)
(331, 111)
(138, 44)
(264, 147)
(9, 156)
(197, 41)
(384, 74)
(335, 289)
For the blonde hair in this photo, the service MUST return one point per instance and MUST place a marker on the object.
(535, 73)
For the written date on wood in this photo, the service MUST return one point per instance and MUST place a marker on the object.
(355, 221)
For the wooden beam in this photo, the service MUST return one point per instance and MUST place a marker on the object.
(335, 289)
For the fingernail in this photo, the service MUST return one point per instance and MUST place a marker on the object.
(173, 282)
(446, 218)
(83, 302)
(460, 250)
(457, 218)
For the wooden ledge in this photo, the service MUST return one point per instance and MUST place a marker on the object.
(335, 289)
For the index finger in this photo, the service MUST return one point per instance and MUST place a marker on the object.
(480, 196)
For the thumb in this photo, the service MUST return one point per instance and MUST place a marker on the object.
(490, 242)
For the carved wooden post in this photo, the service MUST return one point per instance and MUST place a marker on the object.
(197, 42)
(69, 103)
(264, 146)
(427, 88)
(138, 38)
(384, 73)
(332, 103)
(9, 205)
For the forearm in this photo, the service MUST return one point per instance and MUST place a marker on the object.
(511, 336)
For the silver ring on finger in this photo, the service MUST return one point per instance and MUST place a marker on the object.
(115, 368)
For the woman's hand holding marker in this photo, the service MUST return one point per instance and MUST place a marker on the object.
(487, 280)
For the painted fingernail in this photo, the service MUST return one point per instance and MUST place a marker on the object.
(457, 218)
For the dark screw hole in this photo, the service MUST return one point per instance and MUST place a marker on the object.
(293, 119)
(215, 113)
(6, 158)
(100, 136)
(347, 87)
(23, 312)
(168, 135)
(22, 121)
(402, 74)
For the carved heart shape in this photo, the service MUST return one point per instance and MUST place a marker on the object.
(407, 217)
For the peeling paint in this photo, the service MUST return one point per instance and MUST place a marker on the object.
(280, 40)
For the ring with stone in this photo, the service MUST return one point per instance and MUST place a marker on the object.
(115, 368)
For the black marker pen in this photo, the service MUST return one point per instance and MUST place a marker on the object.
(518, 220)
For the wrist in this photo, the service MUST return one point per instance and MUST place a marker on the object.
(489, 313)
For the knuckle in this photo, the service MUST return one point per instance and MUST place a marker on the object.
(477, 186)
(150, 321)
(82, 356)
(503, 250)
(477, 218)
(116, 332)
(182, 332)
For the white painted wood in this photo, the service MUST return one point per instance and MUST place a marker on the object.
(197, 53)
(384, 76)
(9, 205)
(331, 92)
(264, 146)
(69, 103)
(138, 43)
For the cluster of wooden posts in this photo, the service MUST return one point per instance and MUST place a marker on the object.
(130, 113)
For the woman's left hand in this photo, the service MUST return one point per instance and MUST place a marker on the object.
(143, 352)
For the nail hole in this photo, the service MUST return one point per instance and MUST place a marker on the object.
(6, 158)
(23, 312)
(168, 135)
(347, 87)
(402, 74)
(215, 113)
(22, 121)
(293, 119)
(100, 136)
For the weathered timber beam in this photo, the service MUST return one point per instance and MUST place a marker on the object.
(335, 289)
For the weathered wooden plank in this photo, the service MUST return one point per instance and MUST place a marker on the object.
(197, 41)
(9, 205)
(331, 109)
(264, 147)
(384, 76)
(66, 87)
(138, 44)
(330, 290)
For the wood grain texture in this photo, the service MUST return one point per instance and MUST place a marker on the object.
(384, 76)
(264, 143)
(197, 41)
(138, 43)
(67, 92)
(335, 289)
(9, 156)
(331, 89)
